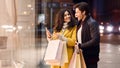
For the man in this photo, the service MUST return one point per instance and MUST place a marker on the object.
(88, 36)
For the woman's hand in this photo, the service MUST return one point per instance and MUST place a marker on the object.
(55, 36)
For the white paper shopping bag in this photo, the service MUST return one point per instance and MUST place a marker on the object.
(64, 58)
(54, 52)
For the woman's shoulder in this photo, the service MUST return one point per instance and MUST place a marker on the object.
(73, 28)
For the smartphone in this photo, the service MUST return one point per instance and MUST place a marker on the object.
(48, 33)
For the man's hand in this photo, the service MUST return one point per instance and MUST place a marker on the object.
(77, 48)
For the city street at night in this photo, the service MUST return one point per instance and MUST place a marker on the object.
(110, 51)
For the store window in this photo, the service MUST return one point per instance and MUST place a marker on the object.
(22, 26)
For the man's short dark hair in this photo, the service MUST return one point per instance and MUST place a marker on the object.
(83, 6)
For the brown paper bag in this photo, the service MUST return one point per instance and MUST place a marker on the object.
(72, 63)
(77, 60)
(83, 65)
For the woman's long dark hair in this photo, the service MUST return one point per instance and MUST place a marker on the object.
(60, 20)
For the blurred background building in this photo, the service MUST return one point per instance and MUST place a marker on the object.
(106, 12)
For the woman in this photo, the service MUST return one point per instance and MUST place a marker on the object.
(64, 29)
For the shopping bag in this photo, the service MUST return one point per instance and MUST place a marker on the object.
(64, 58)
(72, 63)
(83, 65)
(56, 53)
(53, 52)
(77, 60)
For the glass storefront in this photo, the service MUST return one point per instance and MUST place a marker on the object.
(17, 35)
(22, 32)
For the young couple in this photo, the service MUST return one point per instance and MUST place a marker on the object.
(84, 31)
